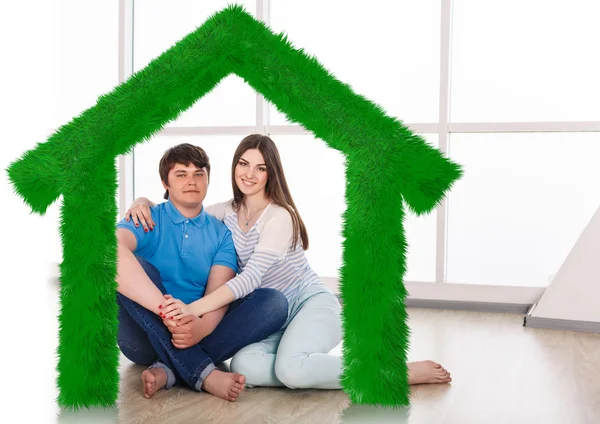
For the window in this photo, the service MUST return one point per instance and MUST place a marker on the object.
(522, 69)
(521, 206)
(532, 60)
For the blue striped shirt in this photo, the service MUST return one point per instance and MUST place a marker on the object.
(266, 257)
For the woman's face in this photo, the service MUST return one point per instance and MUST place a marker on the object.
(251, 172)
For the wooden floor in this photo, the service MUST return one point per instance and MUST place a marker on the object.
(502, 373)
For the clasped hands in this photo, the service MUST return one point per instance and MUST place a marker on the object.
(185, 327)
(174, 308)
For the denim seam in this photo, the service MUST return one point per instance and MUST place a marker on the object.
(198, 373)
(200, 380)
(171, 377)
(202, 366)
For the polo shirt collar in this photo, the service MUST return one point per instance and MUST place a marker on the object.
(178, 218)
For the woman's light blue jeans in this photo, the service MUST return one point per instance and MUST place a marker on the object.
(298, 356)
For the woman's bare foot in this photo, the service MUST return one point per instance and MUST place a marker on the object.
(226, 385)
(154, 379)
(427, 372)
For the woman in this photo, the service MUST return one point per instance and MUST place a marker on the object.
(270, 239)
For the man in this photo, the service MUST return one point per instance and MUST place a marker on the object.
(187, 254)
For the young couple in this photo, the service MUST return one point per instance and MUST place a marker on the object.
(199, 285)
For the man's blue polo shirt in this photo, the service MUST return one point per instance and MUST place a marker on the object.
(184, 249)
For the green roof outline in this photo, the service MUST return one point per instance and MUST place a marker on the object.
(387, 167)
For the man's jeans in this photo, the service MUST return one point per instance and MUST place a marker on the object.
(144, 338)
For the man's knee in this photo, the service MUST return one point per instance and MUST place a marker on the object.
(274, 301)
(134, 354)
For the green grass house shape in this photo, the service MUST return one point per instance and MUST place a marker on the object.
(387, 167)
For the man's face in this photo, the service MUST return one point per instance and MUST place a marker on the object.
(187, 185)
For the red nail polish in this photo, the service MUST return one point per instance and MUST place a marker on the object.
(171, 317)
(159, 306)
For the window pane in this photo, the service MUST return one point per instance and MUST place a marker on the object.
(530, 60)
(521, 205)
(159, 25)
(387, 51)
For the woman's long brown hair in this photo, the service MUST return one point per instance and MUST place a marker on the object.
(276, 189)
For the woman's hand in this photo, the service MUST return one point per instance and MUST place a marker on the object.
(174, 308)
(139, 212)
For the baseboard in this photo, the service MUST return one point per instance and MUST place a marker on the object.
(464, 297)
(508, 308)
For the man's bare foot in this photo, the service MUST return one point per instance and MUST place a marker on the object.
(226, 385)
(153, 379)
(427, 372)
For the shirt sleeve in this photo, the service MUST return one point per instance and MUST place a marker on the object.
(274, 241)
(226, 254)
(218, 210)
(145, 241)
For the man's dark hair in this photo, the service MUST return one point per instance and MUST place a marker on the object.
(184, 154)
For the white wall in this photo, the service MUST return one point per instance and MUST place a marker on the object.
(57, 57)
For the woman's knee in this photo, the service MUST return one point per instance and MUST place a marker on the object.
(290, 373)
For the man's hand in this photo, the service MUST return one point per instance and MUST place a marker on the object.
(187, 332)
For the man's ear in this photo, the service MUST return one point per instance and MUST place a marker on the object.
(166, 187)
